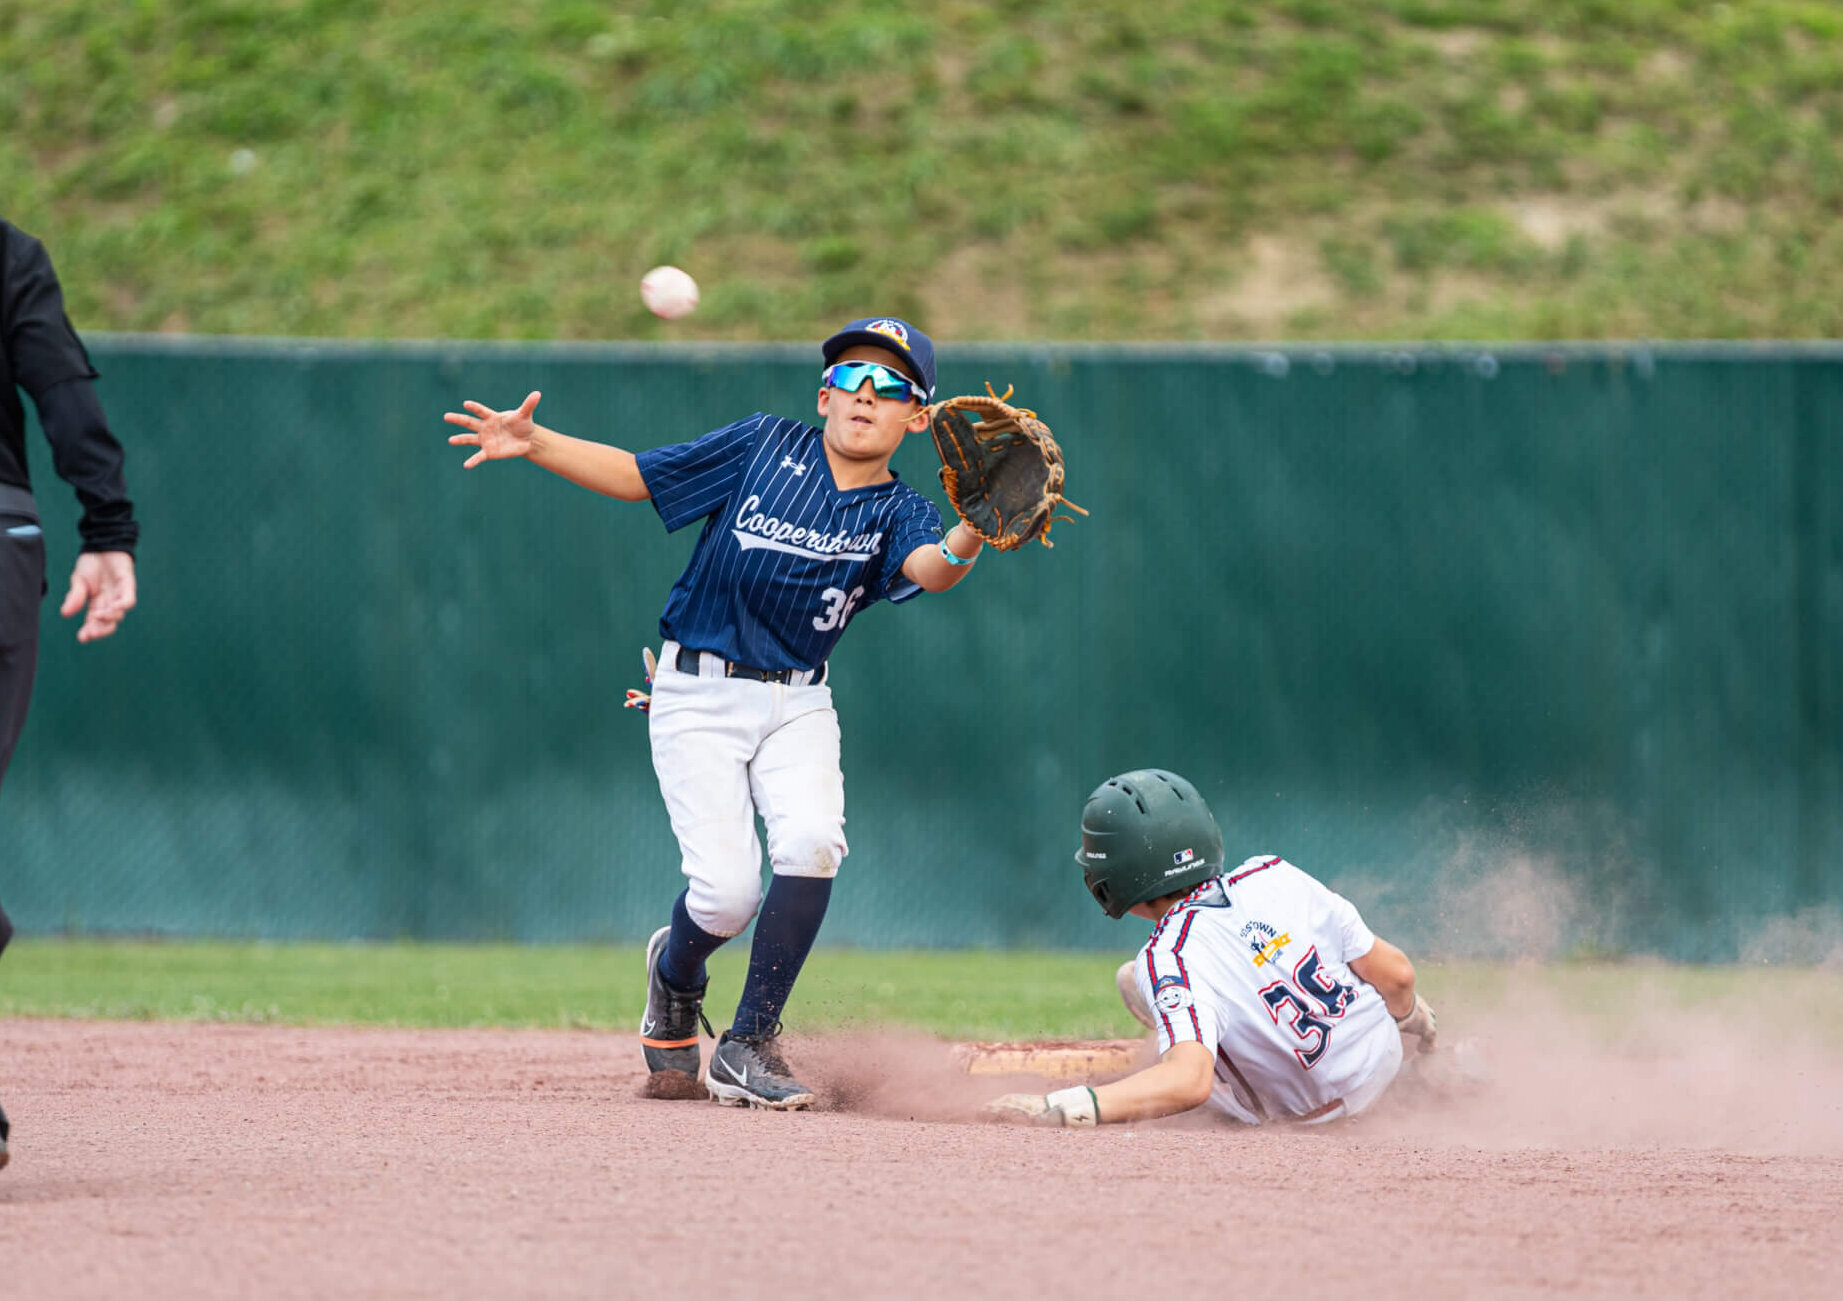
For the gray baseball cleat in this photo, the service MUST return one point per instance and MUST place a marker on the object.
(669, 1029)
(752, 1073)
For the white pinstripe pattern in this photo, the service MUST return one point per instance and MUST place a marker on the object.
(758, 605)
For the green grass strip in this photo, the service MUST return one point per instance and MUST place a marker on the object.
(960, 995)
(956, 995)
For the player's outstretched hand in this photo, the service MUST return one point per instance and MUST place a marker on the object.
(500, 435)
(1065, 1107)
(1018, 1109)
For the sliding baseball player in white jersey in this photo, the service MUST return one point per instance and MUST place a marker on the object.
(804, 528)
(1272, 1000)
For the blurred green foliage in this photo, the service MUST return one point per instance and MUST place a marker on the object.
(1222, 169)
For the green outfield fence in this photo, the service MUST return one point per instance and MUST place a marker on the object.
(1528, 649)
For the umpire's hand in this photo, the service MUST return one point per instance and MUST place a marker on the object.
(104, 581)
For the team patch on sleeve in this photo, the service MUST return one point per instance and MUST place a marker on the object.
(1173, 997)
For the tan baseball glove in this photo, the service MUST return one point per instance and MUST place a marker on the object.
(1001, 468)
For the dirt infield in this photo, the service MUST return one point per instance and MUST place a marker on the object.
(163, 1160)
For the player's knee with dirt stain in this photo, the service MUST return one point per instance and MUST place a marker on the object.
(815, 850)
(1271, 1000)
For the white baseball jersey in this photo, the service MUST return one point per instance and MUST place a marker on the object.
(1254, 965)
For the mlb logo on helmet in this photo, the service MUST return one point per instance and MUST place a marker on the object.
(1184, 856)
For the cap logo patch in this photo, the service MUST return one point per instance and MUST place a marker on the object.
(891, 330)
(1184, 856)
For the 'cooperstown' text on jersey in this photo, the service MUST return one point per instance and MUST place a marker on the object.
(786, 558)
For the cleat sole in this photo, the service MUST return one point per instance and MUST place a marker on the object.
(734, 1095)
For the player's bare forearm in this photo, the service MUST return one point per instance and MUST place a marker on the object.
(598, 467)
(1178, 1081)
(1387, 969)
(511, 435)
(928, 569)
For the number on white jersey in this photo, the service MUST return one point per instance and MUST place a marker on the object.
(1310, 976)
(1315, 1032)
(1332, 997)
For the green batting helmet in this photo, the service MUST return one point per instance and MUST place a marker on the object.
(1146, 834)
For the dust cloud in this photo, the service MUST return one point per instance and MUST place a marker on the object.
(1539, 1049)
(1728, 1076)
(896, 1076)
(1527, 1073)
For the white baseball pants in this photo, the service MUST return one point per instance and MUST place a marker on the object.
(726, 749)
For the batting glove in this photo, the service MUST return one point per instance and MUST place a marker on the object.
(1419, 1023)
(640, 700)
(1074, 1108)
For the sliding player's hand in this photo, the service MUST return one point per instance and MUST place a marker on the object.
(1419, 1024)
(1018, 1109)
(1074, 1107)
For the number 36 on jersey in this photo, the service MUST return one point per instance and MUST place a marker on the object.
(838, 607)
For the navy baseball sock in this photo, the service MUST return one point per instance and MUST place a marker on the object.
(784, 935)
(682, 963)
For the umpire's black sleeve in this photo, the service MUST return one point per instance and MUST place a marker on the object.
(49, 362)
(89, 459)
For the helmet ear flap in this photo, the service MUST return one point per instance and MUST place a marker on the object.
(1146, 834)
(1097, 886)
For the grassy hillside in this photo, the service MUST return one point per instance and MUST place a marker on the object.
(1026, 168)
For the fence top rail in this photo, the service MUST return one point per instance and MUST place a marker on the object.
(1270, 357)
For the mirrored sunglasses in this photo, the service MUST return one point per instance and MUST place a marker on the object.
(887, 383)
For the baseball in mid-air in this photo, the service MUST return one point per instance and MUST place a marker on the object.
(669, 293)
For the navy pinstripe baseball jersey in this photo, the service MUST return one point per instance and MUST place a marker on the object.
(786, 558)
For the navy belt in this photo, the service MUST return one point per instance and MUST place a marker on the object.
(687, 660)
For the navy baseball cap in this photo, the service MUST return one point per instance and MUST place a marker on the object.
(892, 335)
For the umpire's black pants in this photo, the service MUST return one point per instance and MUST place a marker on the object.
(22, 587)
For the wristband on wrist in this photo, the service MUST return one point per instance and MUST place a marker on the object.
(948, 555)
(1079, 1107)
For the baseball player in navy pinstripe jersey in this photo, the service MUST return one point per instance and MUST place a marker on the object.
(803, 528)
